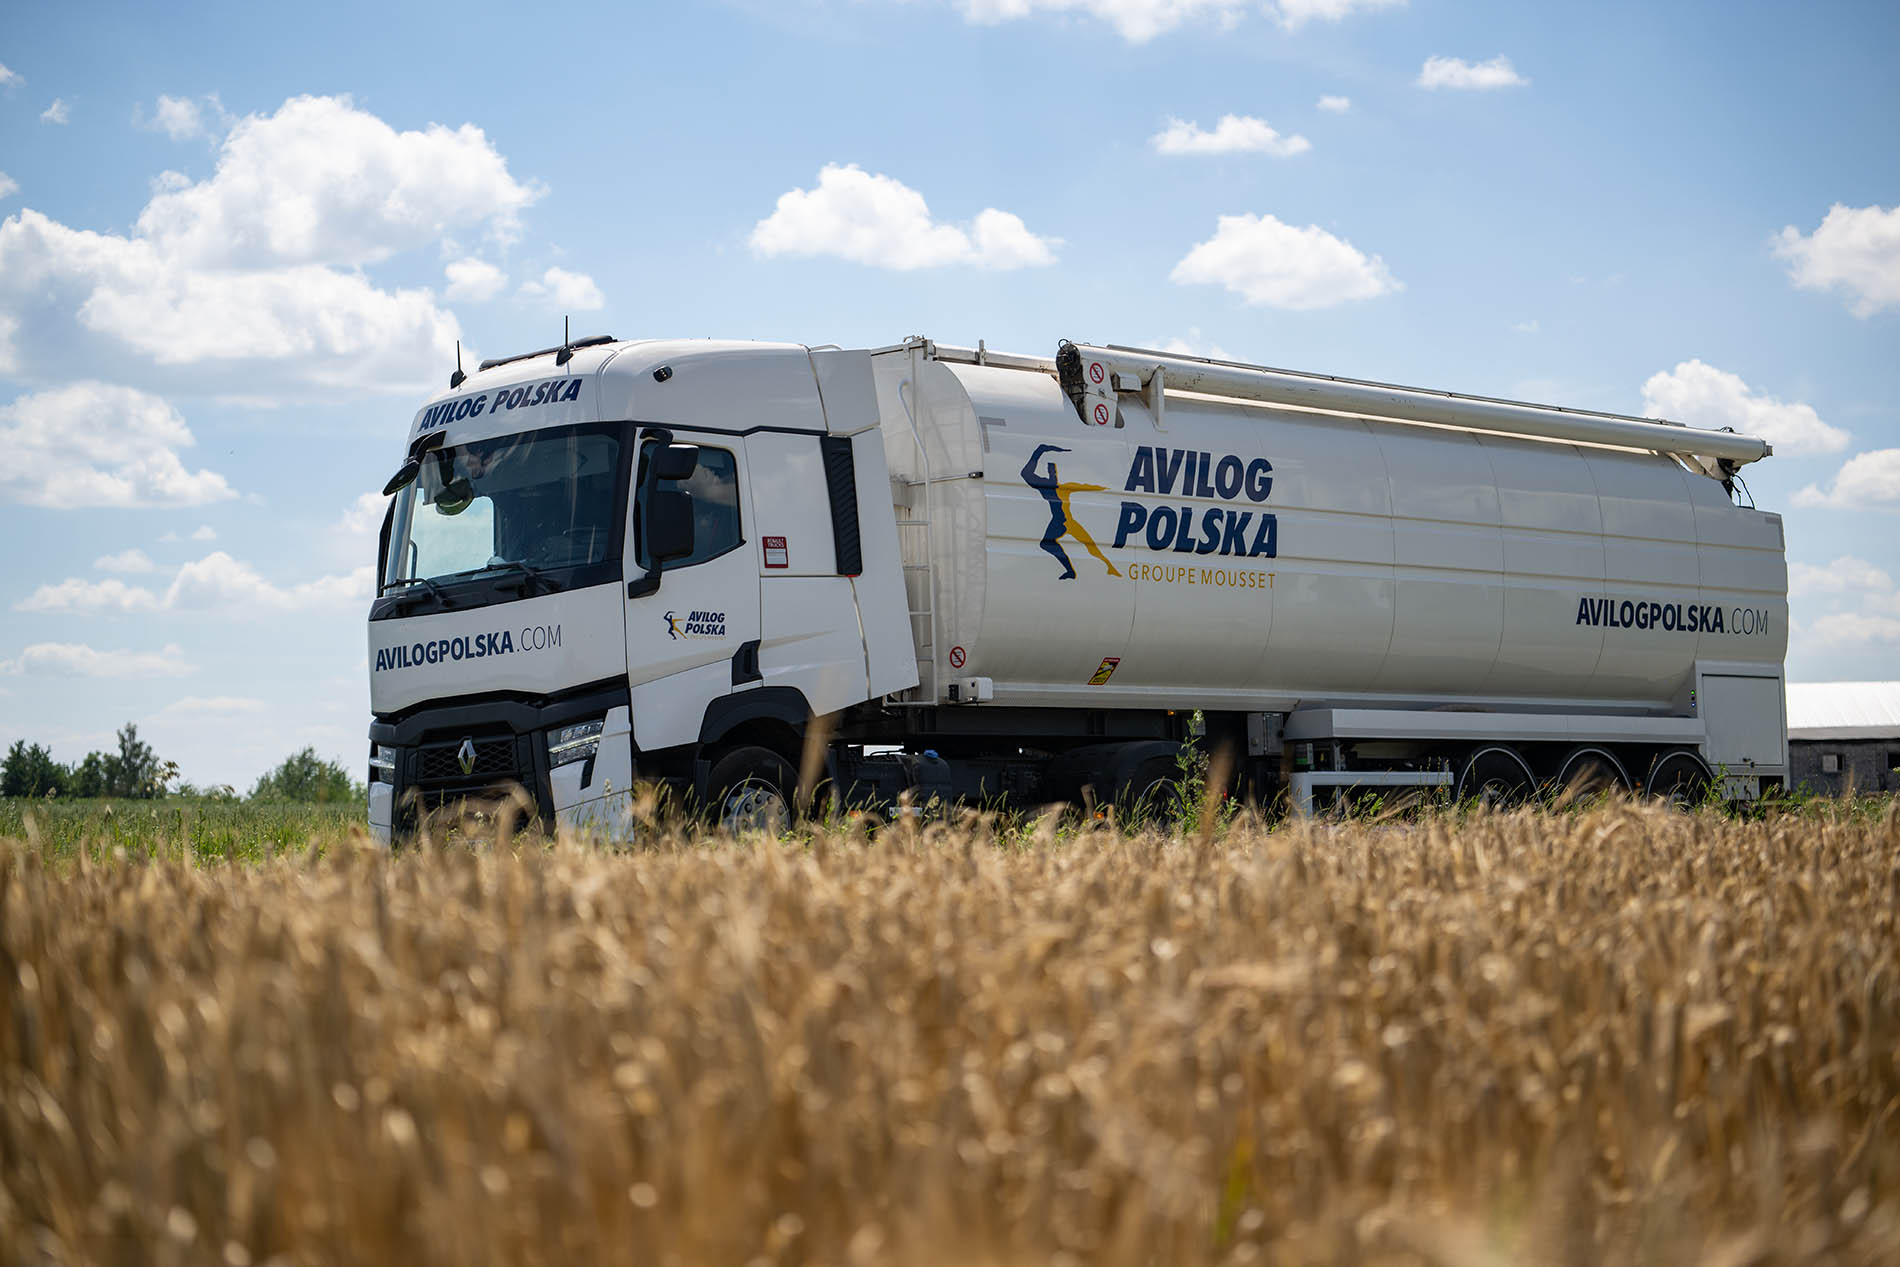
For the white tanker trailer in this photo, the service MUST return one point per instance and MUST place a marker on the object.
(1018, 577)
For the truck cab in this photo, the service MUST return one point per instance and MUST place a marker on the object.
(618, 556)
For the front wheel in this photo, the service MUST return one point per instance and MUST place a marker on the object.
(752, 791)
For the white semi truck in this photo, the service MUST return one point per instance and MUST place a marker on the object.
(1018, 577)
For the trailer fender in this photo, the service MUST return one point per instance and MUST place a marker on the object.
(1105, 767)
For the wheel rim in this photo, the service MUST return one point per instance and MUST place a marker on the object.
(1680, 783)
(1497, 778)
(753, 806)
(1588, 774)
(1498, 791)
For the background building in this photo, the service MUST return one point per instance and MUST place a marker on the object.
(1844, 735)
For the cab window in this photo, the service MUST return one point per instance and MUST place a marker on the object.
(714, 486)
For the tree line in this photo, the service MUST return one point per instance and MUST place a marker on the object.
(136, 772)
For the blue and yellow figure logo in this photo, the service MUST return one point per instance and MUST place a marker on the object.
(1062, 520)
(672, 626)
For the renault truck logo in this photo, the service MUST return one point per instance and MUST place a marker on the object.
(465, 755)
(1062, 520)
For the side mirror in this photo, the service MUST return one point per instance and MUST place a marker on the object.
(676, 461)
(405, 473)
(670, 530)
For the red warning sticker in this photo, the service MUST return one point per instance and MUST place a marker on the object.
(776, 555)
(1101, 414)
(957, 657)
(1096, 372)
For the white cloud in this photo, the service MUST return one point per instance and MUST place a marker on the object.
(76, 659)
(8, 186)
(285, 327)
(876, 220)
(1275, 264)
(94, 444)
(1856, 249)
(177, 117)
(1859, 601)
(1452, 72)
(474, 281)
(1136, 21)
(363, 518)
(1296, 13)
(1845, 575)
(210, 706)
(1851, 631)
(204, 532)
(76, 594)
(1193, 344)
(10, 78)
(1337, 105)
(1866, 481)
(215, 582)
(1704, 396)
(220, 581)
(559, 288)
(1139, 21)
(1525, 327)
(133, 560)
(252, 280)
(58, 112)
(1234, 134)
(322, 182)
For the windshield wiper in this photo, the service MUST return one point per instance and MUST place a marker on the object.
(435, 590)
(531, 575)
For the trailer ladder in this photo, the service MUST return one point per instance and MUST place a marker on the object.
(924, 591)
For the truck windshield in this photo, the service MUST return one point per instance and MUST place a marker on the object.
(544, 504)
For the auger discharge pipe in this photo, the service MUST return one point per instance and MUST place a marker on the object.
(1411, 404)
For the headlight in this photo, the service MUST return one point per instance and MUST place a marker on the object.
(574, 743)
(382, 764)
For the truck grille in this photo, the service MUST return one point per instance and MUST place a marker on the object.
(440, 763)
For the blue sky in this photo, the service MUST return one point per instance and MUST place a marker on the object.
(237, 244)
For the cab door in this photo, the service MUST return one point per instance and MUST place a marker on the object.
(689, 639)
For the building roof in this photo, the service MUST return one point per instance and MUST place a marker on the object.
(1844, 710)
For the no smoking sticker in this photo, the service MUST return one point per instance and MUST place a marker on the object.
(1101, 415)
(957, 657)
(1096, 372)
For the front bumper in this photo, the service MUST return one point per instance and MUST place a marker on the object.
(474, 749)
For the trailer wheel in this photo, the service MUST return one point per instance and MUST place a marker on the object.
(1680, 778)
(1153, 795)
(1587, 772)
(1497, 778)
(752, 791)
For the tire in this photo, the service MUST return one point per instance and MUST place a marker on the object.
(1588, 772)
(1153, 794)
(1680, 778)
(1498, 778)
(752, 790)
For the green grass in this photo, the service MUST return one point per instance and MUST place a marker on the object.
(210, 830)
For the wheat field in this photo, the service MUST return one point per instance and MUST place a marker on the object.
(1616, 1036)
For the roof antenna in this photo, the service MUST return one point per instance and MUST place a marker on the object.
(566, 353)
(458, 378)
